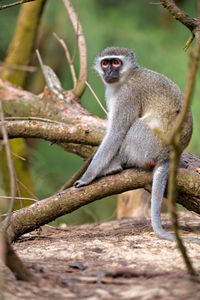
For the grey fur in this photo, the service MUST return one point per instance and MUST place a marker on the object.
(139, 103)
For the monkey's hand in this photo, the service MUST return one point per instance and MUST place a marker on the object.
(80, 183)
(87, 177)
(84, 180)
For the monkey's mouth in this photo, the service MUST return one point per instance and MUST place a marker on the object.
(110, 79)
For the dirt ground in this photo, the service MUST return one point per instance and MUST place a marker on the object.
(110, 260)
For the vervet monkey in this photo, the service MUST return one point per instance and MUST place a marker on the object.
(139, 101)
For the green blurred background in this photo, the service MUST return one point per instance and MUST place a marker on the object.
(158, 42)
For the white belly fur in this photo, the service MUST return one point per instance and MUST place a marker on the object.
(152, 121)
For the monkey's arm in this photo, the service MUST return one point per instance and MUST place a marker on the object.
(117, 129)
(107, 150)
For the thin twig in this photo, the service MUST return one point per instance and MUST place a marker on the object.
(83, 73)
(176, 153)
(14, 4)
(10, 165)
(175, 137)
(52, 80)
(61, 41)
(2, 259)
(189, 42)
(34, 119)
(19, 198)
(78, 174)
(155, 3)
(18, 156)
(14, 263)
(76, 42)
(99, 102)
(18, 67)
(172, 196)
(18, 189)
(27, 189)
(3, 215)
(102, 286)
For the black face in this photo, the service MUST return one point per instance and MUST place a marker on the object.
(111, 68)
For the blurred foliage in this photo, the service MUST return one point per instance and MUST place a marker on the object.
(155, 37)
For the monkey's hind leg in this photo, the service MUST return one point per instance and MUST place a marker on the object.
(113, 167)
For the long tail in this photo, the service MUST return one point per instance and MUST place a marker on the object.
(158, 188)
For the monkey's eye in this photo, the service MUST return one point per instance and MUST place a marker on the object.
(105, 63)
(116, 62)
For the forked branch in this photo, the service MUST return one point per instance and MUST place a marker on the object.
(193, 24)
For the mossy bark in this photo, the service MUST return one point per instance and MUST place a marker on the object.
(68, 121)
(19, 53)
(21, 46)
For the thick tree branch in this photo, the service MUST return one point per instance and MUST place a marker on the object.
(180, 15)
(51, 119)
(71, 118)
(83, 151)
(44, 211)
(53, 132)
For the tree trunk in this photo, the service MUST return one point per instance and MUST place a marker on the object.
(19, 53)
(133, 204)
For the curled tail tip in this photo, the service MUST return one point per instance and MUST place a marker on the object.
(192, 240)
(162, 234)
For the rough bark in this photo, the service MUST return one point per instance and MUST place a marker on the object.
(74, 123)
(44, 211)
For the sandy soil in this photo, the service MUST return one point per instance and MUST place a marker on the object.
(111, 260)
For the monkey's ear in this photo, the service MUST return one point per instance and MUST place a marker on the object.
(97, 66)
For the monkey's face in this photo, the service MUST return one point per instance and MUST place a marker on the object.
(114, 65)
(111, 69)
